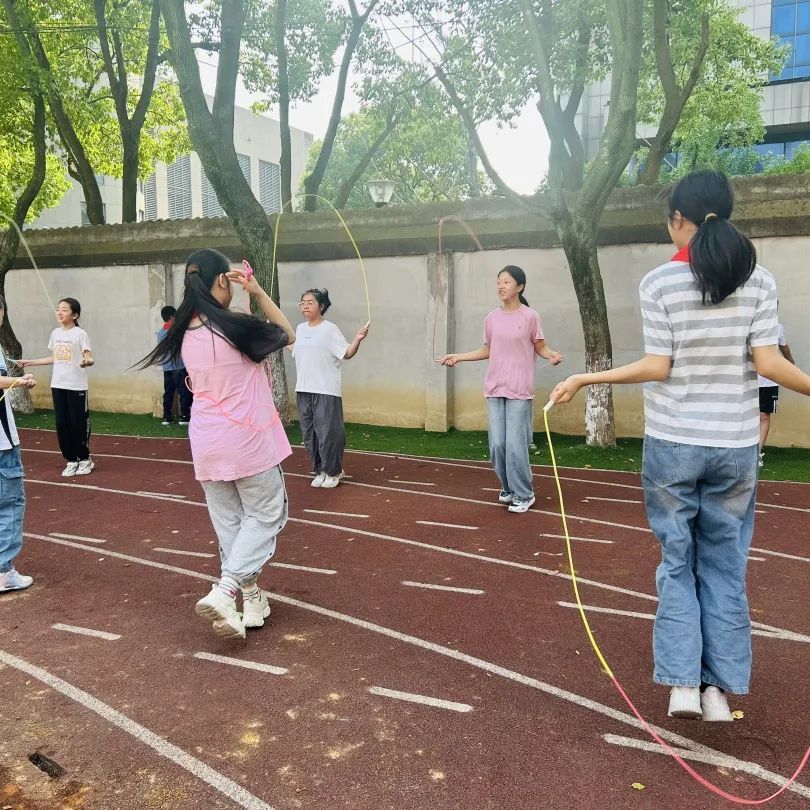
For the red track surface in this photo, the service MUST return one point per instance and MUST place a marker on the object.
(544, 728)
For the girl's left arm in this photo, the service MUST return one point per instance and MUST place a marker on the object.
(541, 349)
(355, 344)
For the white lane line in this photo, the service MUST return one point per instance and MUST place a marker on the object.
(336, 514)
(162, 494)
(780, 506)
(610, 500)
(581, 539)
(655, 748)
(227, 787)
(412, 483)
(752, 768)
(474, 591)
(780, 554)
(303, 568)
(757, 629)
(447, 525)
(238, 662)
(410, 697)
(86, 631)
(77, 537)
(756, 559)
(183, 552)
(759, 512)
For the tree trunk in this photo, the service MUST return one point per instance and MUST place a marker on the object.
(285, 160)
(580, 250)
(129, 193)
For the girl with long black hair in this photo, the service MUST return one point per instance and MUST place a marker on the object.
(513, 340)
(237, 440)
(709, 317)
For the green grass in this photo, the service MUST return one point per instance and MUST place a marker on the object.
(782, 464)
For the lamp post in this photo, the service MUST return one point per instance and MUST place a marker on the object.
(381, 192)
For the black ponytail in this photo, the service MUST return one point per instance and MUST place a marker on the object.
(520, 277)
(253, 337)
(722, 258)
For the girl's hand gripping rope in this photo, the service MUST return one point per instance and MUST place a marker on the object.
(248, 270)
(363, 332)
(246, 279)
(566, 390)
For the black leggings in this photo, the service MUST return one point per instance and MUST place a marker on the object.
(72, 423)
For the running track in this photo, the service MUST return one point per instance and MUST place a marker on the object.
(422, 651)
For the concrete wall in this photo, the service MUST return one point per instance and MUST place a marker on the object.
(422, 305)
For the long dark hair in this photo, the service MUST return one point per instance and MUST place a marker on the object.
(520, 277)
(722, 258)
(253, 337)
(75, 307)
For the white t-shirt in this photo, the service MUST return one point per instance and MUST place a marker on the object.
(6, 403)
(318, 351)
(764, 382)
(68, 347)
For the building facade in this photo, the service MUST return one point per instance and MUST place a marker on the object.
(181, 190)
(786, 98)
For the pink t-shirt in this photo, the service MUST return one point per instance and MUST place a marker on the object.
(511, 336)
(235, 430)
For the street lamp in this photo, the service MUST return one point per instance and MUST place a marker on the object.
(381, 192)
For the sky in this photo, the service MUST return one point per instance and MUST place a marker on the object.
(519, 154)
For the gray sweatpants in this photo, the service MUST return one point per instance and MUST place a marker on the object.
(247, 515)
(321, 417)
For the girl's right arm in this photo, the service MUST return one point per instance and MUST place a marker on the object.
(478, 354)
(41, 361)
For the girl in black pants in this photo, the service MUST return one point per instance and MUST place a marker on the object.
(71, 355)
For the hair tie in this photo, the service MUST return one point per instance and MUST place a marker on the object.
(192, 268)
(709, 216)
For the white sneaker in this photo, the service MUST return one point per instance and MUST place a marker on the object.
(330, 481)
(220, 609)
(505, 497)
(255, 611)
(70, 469)
(317, 481)
(521, 506)
(13, 580)
(684, 702)
(762, 459)
(85, 467)
(715, 706)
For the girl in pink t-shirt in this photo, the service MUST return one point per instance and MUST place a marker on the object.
(513, 339)
(237, 440)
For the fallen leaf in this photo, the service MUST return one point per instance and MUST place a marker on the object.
(638, 786)
(738, 715)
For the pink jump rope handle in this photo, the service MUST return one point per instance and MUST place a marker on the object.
(248, 269)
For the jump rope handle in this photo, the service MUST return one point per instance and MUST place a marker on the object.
(248, 269)
(548, 406)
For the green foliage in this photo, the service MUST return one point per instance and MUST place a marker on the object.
(426, 156)
(723, 114)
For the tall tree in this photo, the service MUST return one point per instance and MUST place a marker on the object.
(211, 132)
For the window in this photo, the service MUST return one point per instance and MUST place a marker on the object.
(270, 186)
(210, 203)
(150, 197)
(244, 165)
(85, 218)
(790, 24)
(178, 181)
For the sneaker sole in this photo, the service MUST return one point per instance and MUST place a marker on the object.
(16, 588)
(220, 624)
(685, 714)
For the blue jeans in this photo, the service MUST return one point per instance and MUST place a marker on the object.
(510, 434)
(700, 505)
(12, 506)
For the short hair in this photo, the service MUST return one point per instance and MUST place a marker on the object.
(167, 312)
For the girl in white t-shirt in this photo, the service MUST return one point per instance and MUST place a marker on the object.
(319, 347)
(70, 356)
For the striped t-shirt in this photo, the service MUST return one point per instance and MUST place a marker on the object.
(711, 396)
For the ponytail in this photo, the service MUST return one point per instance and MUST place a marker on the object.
(520, 278)
(721, 257)
(253, 337)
